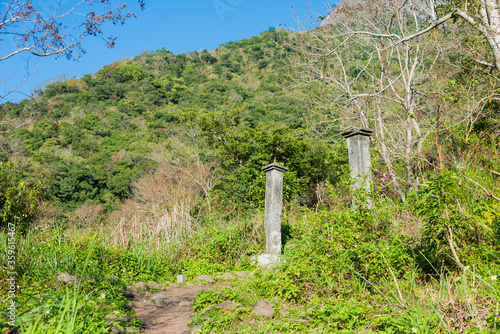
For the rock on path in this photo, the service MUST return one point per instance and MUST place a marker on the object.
(206, 278)
(264, 308)
(168, 311)
(173, 317)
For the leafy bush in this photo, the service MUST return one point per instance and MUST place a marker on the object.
(204, 299)
(19, 199)
(458, 228)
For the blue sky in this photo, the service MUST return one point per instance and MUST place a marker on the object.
(179, 26)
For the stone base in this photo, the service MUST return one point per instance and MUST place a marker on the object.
(268, 260)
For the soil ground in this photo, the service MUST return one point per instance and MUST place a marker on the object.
(173, 318)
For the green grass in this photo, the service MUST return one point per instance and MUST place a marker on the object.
(345, 271)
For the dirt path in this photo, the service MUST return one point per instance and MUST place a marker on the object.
(173, 318)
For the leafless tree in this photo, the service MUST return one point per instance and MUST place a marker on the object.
(383, 64)
(482, 15)
(370, 78)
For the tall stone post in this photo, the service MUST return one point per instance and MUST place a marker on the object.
(358, 145)
(272, 214)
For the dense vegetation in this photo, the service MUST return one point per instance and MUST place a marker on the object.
(151, 167)
(91, 137)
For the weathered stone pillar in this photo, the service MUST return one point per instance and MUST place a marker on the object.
(272, 214)
(358, 145)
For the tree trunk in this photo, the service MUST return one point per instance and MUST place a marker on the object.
(383, 151)
(490, 16)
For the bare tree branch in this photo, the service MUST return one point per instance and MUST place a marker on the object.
(489, 193)
(43, 32)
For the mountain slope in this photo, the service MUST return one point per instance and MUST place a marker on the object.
(90, 137)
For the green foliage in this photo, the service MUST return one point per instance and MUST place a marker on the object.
(250, 149)
(201, 267)
(102, 273)
(170, 89)
(204, 299)
(62, 311)
(338, 275)
(92, 137)
(122, 72)
(340, 314)
(245, 150)
(19, 199)
(345, 269)
(454, 217)
(64, 87)
(221, 245)
(326, 249)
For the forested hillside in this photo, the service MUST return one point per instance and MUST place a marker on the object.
(233, 108)
(151, 167)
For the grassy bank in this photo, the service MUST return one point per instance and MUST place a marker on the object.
(383, 270)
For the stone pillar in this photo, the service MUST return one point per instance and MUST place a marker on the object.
(358, 145)
(272, 214)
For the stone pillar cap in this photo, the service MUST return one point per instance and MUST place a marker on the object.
(273, 166)
(356, 131)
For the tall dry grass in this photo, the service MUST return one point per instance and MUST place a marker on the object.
(163, 206)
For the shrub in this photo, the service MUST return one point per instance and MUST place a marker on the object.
(19, 199)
